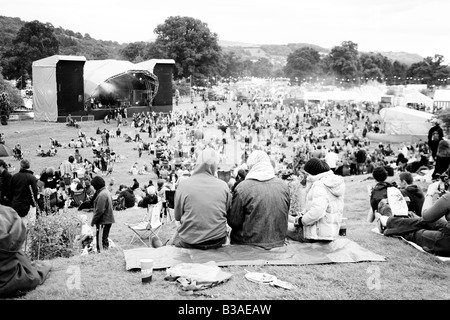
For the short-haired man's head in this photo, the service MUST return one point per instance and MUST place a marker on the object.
(407, 177)
(71, 159)
(25, 164)
(380, 174)
(3, 164)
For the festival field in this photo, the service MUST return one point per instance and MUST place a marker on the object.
(406, 273)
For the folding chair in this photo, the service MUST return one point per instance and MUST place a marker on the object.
(149, 226)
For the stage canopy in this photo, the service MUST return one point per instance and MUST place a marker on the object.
(111, 77)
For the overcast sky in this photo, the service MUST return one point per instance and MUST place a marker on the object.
(414, 26)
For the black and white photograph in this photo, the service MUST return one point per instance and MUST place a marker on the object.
(224, 158)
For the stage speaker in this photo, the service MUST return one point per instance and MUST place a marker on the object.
(70, 86)
(164, 95)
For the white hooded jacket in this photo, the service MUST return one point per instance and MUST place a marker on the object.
(324, 206)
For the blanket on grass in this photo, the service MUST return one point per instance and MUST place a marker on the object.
(341, 250)
(443, 259)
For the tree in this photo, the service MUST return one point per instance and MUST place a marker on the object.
(34, 41)
(344, 61)
(303, 63)
(429, 71)
(133, 50)
(262, 68)
(399, 69)
(373, 67)
(191, 44)
(14, 98)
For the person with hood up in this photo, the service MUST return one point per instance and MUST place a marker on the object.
(201, 205)
(321, 217)
(18, 274)
(260, 205)
(103, 216)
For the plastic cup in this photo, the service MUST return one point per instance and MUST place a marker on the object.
(146, 270)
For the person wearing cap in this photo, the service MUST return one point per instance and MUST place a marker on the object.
(260, 205)
(5, 184)
(103, 216)
(24, 189)
(321, 216)
(200, 206)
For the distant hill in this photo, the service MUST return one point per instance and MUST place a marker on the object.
(70, 42)
(282, 51)
(74, 43)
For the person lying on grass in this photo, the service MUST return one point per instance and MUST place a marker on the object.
(431, 231)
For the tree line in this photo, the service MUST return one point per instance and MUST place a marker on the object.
(197, 54)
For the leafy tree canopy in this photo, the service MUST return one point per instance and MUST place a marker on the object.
(34, 41)
(191, 44)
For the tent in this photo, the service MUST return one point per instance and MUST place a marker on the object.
(403, 124)
(5, 151)
(413, 96)
(442, 99)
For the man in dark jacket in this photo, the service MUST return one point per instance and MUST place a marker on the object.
(126, 196)
(435, 134)
(103, 216)
(413, 194)
(260, 206)
(5, 184)
(23, 183)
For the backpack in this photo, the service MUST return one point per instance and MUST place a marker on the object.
(435, 136)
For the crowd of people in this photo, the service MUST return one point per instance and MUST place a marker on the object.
(288, 182)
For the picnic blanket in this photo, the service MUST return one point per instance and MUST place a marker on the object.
(341, 250)
(443, 259)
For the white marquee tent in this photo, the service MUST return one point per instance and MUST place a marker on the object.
(442, 99)
(403, 124)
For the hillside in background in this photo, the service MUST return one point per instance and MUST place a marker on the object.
(70, 42)
(74, 43)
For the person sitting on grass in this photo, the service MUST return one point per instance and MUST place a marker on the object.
(379, 191)
(412, 193)
(201, 205)
(126, 198)
(260, 205)
(431, 231)
(321, 217)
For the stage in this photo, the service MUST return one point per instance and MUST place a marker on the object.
(100, 113)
